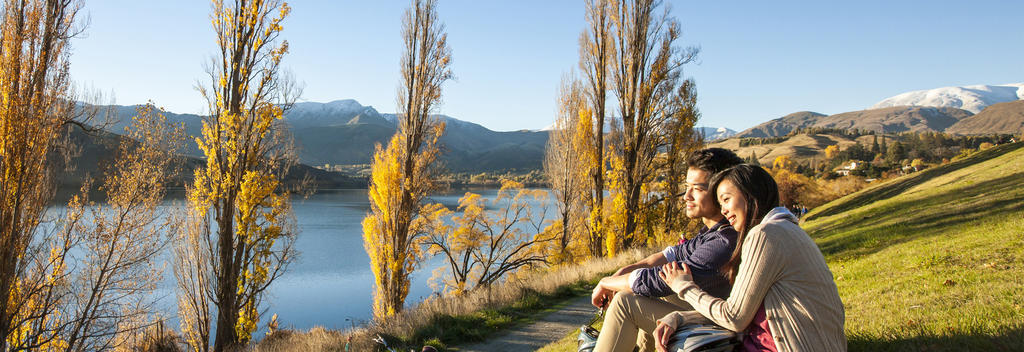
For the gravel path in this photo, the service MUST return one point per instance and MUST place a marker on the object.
(546, 329)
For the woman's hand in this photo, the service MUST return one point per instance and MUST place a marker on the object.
(661, 336)
(672, 271)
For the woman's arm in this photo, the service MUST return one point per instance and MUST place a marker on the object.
(761, 265)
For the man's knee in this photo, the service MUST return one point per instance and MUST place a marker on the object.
(624, 301)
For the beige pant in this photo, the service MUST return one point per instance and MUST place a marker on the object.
(629, 315)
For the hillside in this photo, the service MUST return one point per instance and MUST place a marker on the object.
(343, 132)
(998, 118)
(933, 260)
(883, 120)
(99, 148)
(801, 147)
(896, 119)
(783, 125)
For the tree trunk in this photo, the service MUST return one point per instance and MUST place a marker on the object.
(226, 337)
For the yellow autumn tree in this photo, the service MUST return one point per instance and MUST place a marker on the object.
(665, 220)
(783, 162)
(646, 65)
(111, 291)
(831, 151)
(567, 172)
(36, 107)
(596, 46)
(482, 246)
(237, 195)
(403, 173)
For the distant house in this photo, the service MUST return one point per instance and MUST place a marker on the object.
(845, 169)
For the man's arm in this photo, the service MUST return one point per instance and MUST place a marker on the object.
(653, 260)
(607, 287)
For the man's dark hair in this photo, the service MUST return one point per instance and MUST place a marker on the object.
(713, 160)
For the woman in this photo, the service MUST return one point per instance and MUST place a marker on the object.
(783, 296)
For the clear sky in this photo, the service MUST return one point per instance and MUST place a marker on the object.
(759, 60)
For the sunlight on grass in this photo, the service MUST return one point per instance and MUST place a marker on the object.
(932, 261)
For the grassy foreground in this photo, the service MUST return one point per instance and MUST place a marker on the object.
(932, 261)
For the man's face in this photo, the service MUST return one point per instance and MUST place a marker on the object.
(699, 203)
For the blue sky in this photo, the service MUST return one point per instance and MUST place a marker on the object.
(759, 60)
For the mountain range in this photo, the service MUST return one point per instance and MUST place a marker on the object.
(344, 132)
(980, 109)
(971, 98)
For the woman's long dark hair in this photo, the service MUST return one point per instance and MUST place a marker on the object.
(762, 194)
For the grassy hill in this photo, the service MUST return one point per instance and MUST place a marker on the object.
(800, 147)
(932, 261)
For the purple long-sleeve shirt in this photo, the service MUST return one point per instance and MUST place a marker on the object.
(705, 255)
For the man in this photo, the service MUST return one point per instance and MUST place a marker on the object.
(633, 289)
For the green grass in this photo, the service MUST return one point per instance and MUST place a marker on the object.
(932, 261)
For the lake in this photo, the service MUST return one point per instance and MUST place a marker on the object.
(330, 284)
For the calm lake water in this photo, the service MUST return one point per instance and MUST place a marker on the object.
(330, 284)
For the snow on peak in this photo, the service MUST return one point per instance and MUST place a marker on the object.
(714, 134)
(970, 98)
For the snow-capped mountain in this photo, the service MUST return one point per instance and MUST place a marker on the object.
(714, 134)
(309, 114)
(970, 98)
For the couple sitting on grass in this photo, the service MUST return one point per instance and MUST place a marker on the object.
(751, 269)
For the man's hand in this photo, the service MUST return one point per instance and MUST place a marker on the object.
(601, 296)
(661, 335)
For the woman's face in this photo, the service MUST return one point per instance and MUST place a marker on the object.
(734, 205)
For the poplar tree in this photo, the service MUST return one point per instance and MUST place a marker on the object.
(596, 46)
(36, 107)
(566, 167)
(645, 72)
(403, 173)
(238, 194)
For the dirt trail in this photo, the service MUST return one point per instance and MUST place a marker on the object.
(547, 329)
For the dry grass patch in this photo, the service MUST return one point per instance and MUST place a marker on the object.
(449, 320)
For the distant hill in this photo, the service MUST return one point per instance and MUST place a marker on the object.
(896, 119)
(783, 125)
(970, 98)
(1005, 118)
(801, 147)
(884, 120)
(99, 148)
(344, 132)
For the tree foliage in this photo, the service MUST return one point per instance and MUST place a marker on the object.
(36, 105)
(482, 246)
(404, 172)
(596, 47)
(663, 219)
(238, 190)
(567, 167)
(646, 66)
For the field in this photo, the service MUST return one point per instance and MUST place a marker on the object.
(933, 261)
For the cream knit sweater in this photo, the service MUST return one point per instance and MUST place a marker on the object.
(782, 267)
